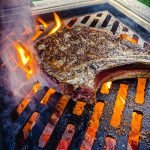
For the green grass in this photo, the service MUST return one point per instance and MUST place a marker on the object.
(146, 2)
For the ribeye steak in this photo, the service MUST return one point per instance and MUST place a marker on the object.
(82, 58)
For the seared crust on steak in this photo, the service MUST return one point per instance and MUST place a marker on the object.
(75, 56)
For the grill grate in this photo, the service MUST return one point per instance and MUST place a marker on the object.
(12, 124)
(81, 122)
(105, 19)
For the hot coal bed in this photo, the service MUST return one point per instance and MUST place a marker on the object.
(51, 121)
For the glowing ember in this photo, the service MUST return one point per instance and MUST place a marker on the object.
(132, 40)
(140, 92)
(25, 60)
(93, 127)
(47, 96)
(36, 87)
(79, 108)
(40, 20)
(46, 134)
(57, 26)
(134, 134)
(36, 35)
(27, 99)
(106, 87)
(119, 105)
(22, 106)
(121, 99)
(66, 138)
(30, 124)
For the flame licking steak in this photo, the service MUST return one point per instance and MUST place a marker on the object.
(82, 58)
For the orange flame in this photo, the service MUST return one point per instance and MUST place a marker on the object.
(30, 124)
(93, 127)
(40, 20)
(25, 60)
(57, 26)
(36, 87)
(79, 108)
(36, 35)
(119, 105)
(46, 25)
(27, 99)
(106, 87)
(122, 100)
(140, 91)
(134, 134)
(39, 32)
(132, 40)
(47, 96)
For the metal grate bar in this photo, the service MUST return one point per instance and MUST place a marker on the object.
(120, 134)
(126, 117)
(102, 19)
(144, 140)
(103, 130)
(125, 29)
(45, 114)
(110, 23)
(85, 19)
(94, 22)
(114, 27)
(99, 15)
(81, 127)
(23, 118)
(106, 21)
(71, 23)
(80, 122)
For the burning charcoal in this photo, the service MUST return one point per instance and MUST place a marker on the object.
(66, 138)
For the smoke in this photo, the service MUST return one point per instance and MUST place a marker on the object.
(15, 19)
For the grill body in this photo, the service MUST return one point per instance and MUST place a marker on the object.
(96, 16)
